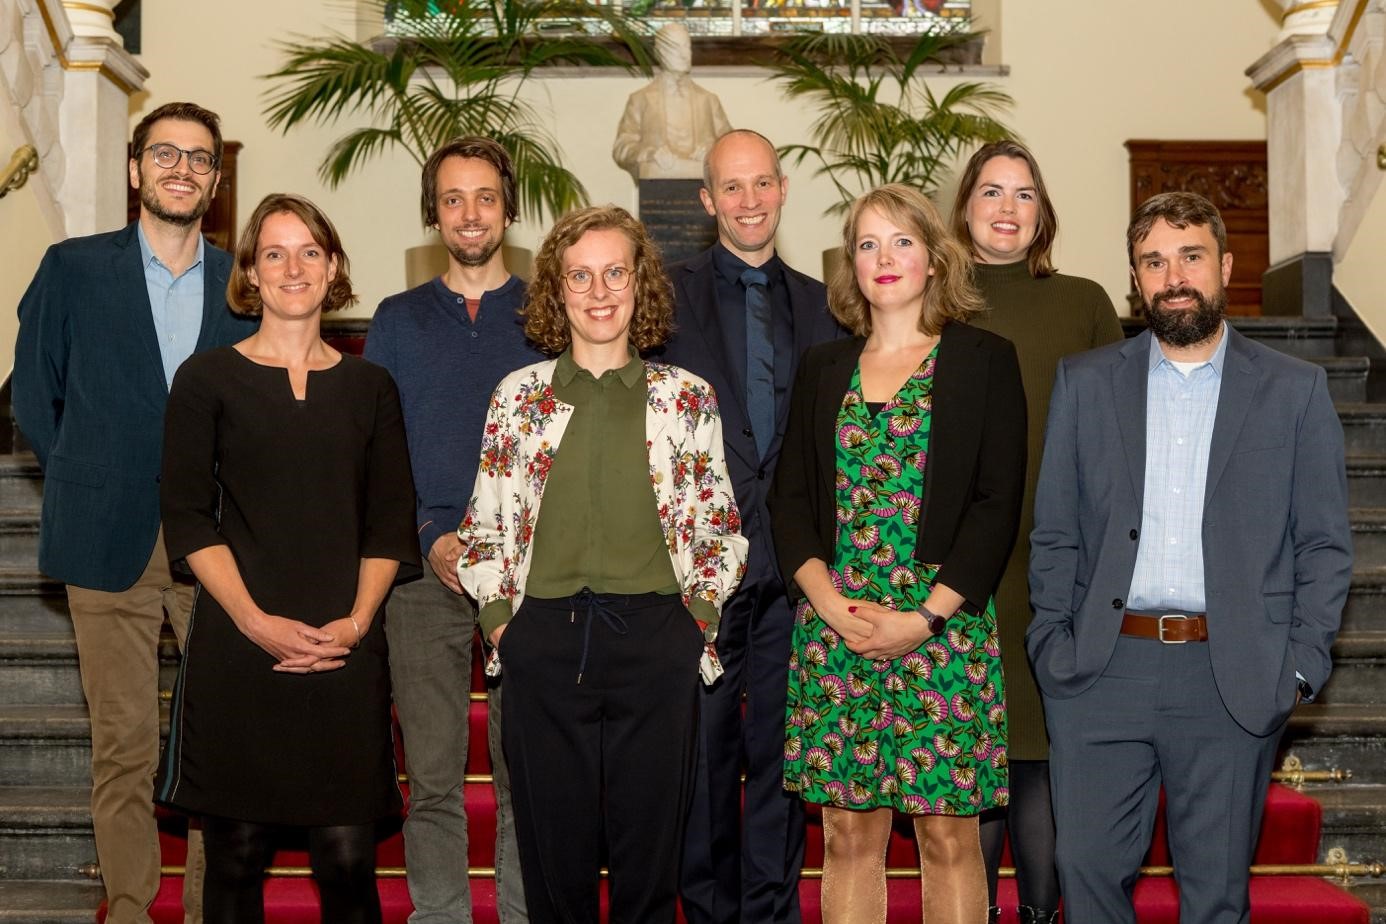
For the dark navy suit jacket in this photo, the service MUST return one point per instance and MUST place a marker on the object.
(1277, 550)
(89, 395)
(697, 346)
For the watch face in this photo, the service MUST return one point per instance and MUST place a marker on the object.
(937, 623)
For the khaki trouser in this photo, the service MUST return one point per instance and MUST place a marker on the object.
(118, 654)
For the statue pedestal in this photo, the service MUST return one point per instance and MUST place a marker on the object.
(674, 216)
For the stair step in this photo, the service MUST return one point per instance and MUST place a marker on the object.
(1366, 475)
(1364, 426)
(1359, 668)
(21, 481)
(1368, 536)
(38, 664)
(1352, 815)
(45, 832)
(49, 901)
(46, 744)
(1347, 376)
(1307, 338)
(1366, 602)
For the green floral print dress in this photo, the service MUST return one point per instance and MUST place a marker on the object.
(924, 733)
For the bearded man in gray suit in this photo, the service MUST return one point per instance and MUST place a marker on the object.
(1188, 569)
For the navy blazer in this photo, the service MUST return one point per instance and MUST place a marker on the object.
(89, 395)
(697, 345)
(1277, 551)
(974, 481)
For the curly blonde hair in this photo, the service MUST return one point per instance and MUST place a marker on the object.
(243, 296)
(950, 294)
(546, 320)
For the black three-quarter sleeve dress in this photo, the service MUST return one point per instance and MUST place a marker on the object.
(300, 491)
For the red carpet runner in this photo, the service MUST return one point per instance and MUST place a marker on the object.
(1289, 835)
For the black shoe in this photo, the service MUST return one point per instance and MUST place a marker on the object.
(1030, 915)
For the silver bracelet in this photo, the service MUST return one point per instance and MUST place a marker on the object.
(357, 628)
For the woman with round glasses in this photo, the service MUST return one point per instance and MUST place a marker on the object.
(600, 544)
(1003, 214)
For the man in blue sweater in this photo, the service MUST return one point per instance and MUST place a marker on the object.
(448, 343)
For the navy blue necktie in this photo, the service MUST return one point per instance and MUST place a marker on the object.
(760, 360)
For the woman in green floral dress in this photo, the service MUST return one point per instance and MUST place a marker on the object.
(895, 506)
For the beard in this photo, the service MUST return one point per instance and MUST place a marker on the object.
(1183, 328)
(149, 200)
(473, 255)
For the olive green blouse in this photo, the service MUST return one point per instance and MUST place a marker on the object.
(599, 525)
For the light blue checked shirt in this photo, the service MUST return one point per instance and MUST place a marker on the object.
(175, 303)
(1179, 413)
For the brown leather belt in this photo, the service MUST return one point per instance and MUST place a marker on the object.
(1173, 629)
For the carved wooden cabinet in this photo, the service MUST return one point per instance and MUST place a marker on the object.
(219, 224)
(1233, 175)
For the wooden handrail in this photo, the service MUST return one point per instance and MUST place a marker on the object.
(23, 162)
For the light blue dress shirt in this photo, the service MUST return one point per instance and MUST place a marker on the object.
(176, 304)
(1179, 414)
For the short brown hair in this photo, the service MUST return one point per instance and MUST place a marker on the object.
(244, 296)
(183, 112)
(1040, 257)
(473, 146)
(546, 321)
(950, 294)
(1179, 210)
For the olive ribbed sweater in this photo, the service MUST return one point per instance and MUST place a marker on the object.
(1046, 319)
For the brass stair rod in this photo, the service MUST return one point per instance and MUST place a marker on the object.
(23, 162)
(1342, 871)
(1293, 778)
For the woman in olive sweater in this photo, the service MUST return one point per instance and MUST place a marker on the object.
(1004, 214)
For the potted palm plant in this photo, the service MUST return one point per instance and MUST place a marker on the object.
(878, 119)
(449, 68)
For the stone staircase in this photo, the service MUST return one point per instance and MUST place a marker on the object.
(46, 846)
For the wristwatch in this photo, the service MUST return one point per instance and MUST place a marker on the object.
(1306, 692)
(936, 622)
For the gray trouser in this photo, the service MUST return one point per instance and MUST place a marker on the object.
(431, 630)
(1155, 717)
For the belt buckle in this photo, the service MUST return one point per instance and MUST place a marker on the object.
(1171, 641)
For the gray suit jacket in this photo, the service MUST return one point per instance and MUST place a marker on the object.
(1276, 544)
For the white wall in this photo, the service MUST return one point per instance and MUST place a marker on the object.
(1086, 77)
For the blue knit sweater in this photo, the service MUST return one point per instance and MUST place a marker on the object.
(446, 367)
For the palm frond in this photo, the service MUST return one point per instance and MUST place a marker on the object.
(459, 71)
(353, 149)
(860, 141)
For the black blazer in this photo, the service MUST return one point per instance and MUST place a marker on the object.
(974, 481)
(697, 347)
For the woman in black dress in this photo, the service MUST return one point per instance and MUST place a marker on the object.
(286, 487)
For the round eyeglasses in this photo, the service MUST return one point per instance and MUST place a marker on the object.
(167, 156)
(615, 278)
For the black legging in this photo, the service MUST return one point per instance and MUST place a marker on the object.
(342, 858)
(1030, 820)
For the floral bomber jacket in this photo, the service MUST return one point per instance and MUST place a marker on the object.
(524, 428)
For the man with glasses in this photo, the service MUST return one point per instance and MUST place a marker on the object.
(103, 328)
(448, 343)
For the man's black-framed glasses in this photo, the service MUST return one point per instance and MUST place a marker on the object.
(167, 156)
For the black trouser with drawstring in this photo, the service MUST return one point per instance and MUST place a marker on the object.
(599, 694)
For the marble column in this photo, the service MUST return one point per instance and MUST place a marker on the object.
(1303, 133)
(100, 76)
